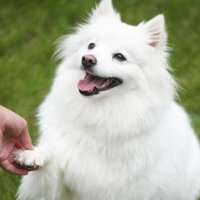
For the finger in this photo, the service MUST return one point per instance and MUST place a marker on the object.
(25, 139)
(10, 167)
(7, 148)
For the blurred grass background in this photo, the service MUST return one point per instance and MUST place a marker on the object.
(28, 30)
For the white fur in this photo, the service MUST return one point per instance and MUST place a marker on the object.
(133, 142)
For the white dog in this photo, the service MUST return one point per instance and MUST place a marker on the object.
(110, 126)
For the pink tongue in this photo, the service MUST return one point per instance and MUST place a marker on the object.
(90, 83)
(84, 85)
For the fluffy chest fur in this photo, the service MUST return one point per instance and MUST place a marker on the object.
(107, 170)
(91, 166)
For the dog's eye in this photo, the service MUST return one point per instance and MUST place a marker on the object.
(91, 45)
(120, 57)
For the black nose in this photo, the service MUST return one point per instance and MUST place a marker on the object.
(89, 61)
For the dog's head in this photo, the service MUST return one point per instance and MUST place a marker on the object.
(117, 58)
(112, 68)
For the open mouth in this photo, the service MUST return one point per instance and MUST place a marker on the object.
(93, 84)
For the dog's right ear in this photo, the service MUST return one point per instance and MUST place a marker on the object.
(156, 32)
(105, 8)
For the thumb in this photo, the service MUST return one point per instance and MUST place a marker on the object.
(25, 139)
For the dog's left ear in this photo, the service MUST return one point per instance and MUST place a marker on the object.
(156, 32)
(105, 8)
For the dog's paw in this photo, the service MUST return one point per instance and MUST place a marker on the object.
(29, 159)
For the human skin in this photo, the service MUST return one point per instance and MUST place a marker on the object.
(14, 135)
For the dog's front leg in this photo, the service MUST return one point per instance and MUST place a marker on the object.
(40, 184)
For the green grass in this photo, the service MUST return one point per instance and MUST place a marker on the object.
(28, 30)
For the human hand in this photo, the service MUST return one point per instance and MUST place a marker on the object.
(14, 135)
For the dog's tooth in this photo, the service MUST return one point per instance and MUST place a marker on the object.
(106, 83)
(87, 77)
